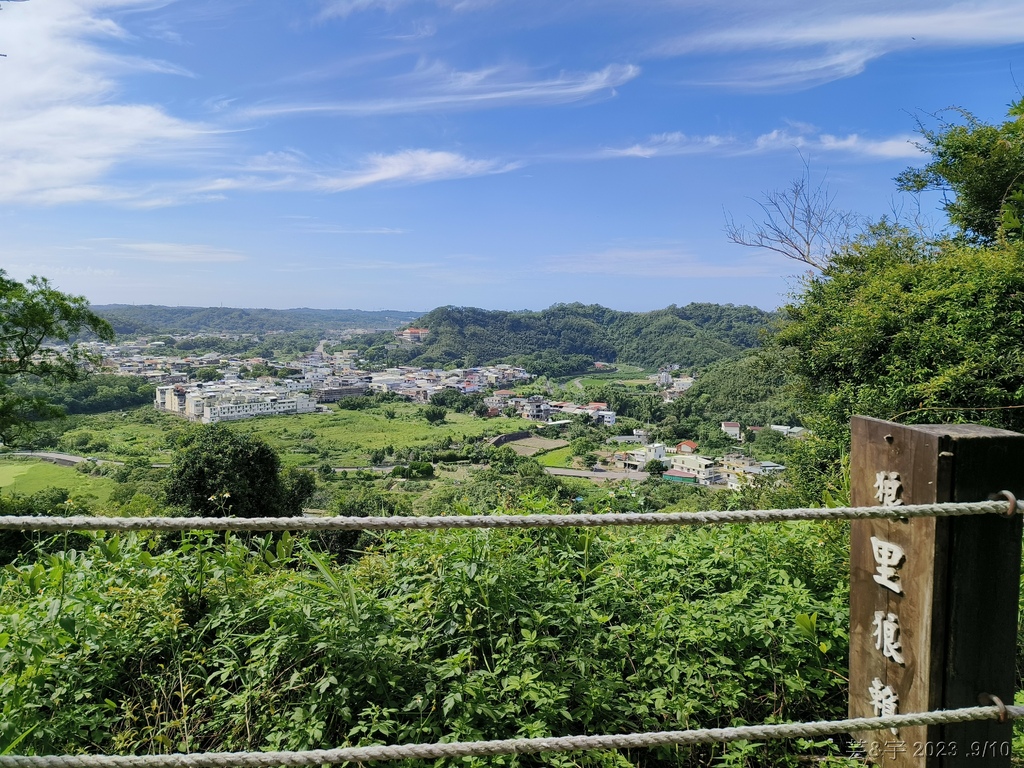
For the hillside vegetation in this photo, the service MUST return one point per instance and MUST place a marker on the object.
(692, 336)
(131, 319)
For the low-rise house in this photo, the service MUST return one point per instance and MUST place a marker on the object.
(738, 470)
(680, 476)
(412, 335)
(637, 459)
(789, 431)
(732, 429)
(704, 468)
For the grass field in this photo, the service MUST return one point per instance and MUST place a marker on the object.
(560, 457)
(342, 438)
(28, 477)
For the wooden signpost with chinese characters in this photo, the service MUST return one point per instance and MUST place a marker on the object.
(933, 601)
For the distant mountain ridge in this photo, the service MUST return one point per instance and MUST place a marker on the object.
(131, 319)
(694, 335)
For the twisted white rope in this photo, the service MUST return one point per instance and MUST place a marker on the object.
(83, 523)
(507, 746)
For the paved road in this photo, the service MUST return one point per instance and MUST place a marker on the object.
(601, 475)
(56, 458)
(69, 460)
(66, 459)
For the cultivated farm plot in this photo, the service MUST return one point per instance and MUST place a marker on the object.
(534, 445)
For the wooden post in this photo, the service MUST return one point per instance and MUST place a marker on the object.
(933, 601)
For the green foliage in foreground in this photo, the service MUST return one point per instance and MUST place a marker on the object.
(456, 635)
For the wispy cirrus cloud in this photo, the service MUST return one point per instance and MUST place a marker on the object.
(414, 166)
(987, 22)
(344, 8)
(294, 171)
(437, 88)
(798, 46)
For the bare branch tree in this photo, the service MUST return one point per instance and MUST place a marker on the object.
(801, 222)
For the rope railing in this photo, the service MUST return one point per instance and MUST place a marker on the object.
(463, 749)
(455, 750)
(399, 523)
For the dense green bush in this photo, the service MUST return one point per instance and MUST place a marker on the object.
(222, 645)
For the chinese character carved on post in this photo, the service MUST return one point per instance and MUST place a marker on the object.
(887, 636)
(888, 558)
(887, 488)
(884, 700)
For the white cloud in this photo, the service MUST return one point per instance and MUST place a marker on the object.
(663, 144)
(803, 136)
(802, 71)
(63, 130)
(435, 87)
(659, 263)
(292, 171)
(896, 147)
(414, 166)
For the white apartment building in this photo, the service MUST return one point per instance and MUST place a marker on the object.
(230, 401)
(706, 469)
(638, 458)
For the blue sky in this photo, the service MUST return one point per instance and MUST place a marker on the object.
(507, 154)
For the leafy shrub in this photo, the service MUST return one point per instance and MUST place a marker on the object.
(448, 634)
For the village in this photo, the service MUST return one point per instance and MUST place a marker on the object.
(313, 382)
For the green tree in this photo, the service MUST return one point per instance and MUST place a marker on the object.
(983, 166)
(37, 326)
(581, 446)
(218, 472)
(297, 487)
(901, 329)
(654, 467)
(898, 327)
(208, 373)
(434, 414)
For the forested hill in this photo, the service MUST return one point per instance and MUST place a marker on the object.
(149, 318)
(694, 335)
